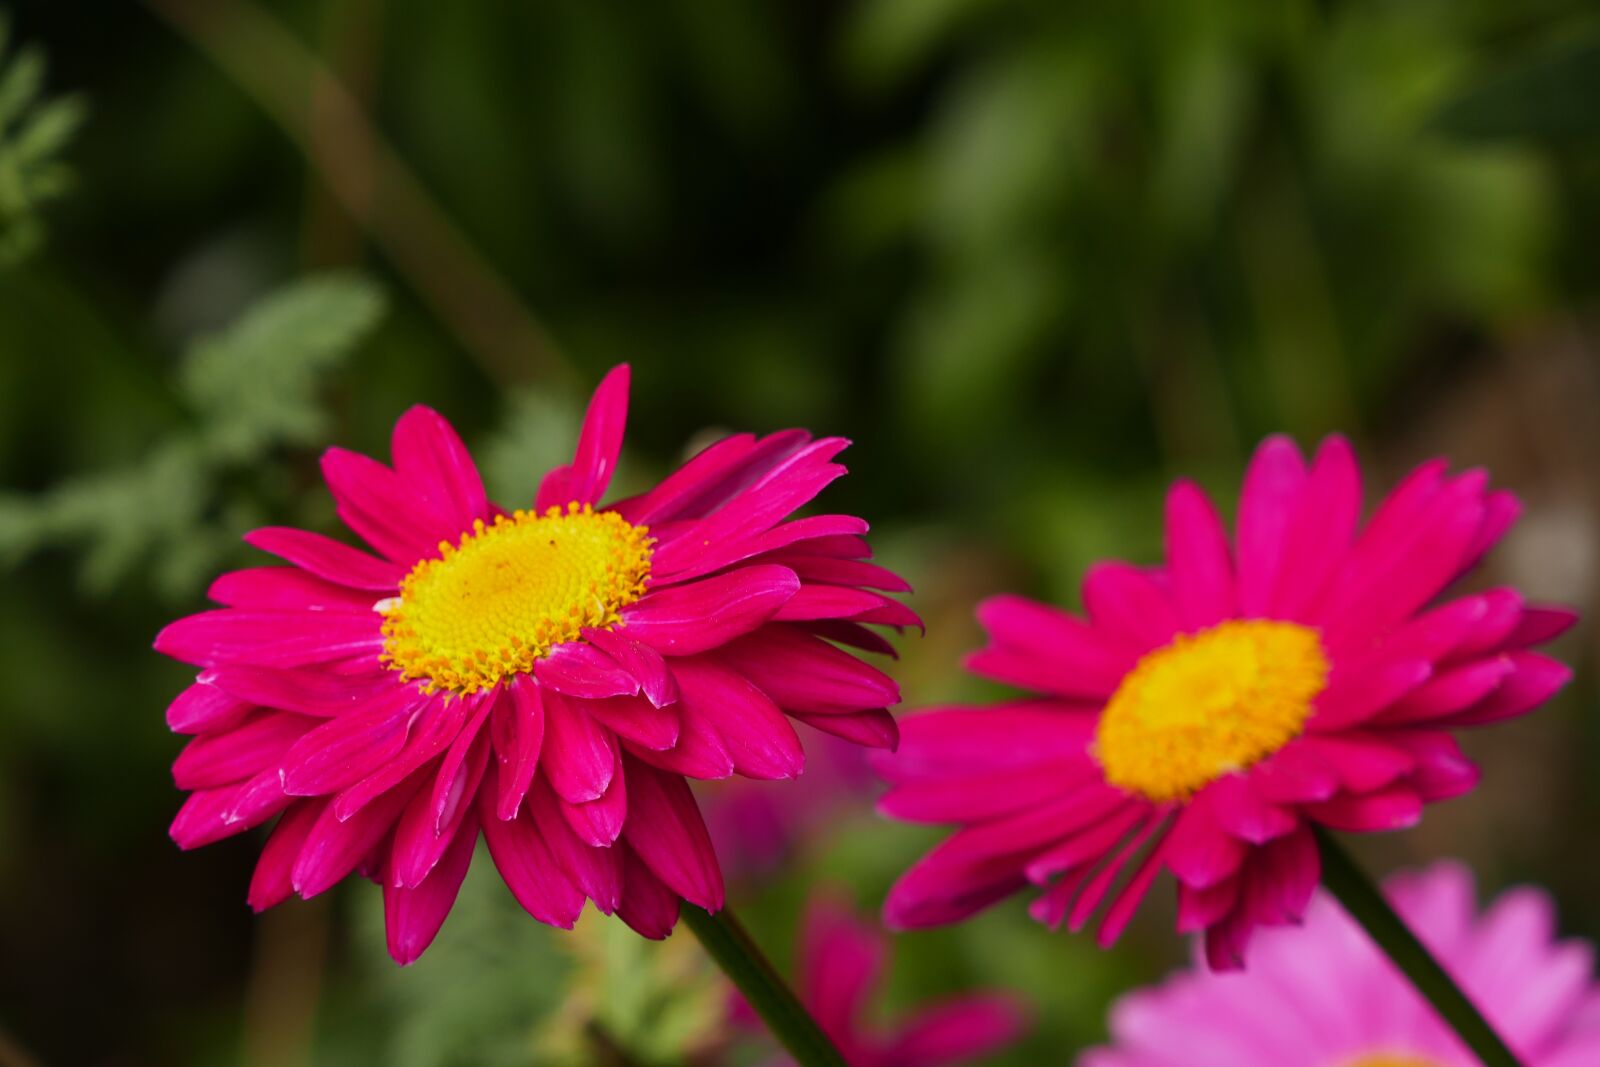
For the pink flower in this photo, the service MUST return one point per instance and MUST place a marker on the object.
(840, 962)
(1325, 996)
(1209, 711)
(547, 677)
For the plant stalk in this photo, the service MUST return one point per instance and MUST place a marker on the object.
(1368, 907)
(727, 943)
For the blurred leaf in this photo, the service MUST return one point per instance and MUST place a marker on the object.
(887, 41)
(255, 383)
(1552, 95)
(253, 387)
(34, 130)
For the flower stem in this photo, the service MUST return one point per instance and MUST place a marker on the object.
(1369, 908)
(726, 942)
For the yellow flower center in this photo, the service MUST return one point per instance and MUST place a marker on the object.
(1208, 704)
(509, 592)
(1389, 1059)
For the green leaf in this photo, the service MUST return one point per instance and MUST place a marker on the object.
(34, 131)
(255, 383)
(1549, 95)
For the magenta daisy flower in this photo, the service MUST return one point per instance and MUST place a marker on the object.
(1207, 712)
(546, 677)
(841, 961)
(1325, 996)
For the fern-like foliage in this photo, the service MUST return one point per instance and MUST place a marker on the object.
(252, 389)
(34, 131)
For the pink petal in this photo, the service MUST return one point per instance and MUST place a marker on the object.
(412, 916)
(1441, 771)
(517, 729)
(1036, 646)
(647, 905)
(1133, 893)
(309, 691)
(597, 871)
(599, 444)
(530, 870)
(958, 1031)
(1197, 558)
(1200, 853)
(327, 558)
(698, 753)
(755, 733)
(1241, 810)
(712, 478)
(429, 822)
(637, 720)
(1318, 534)
(244, 751)
(732, 532)
(580, 755)
(841, 959)
(436, 727)
(430, 458)
(666, 831)
(272, 881)
(1272, 486)
(685, 619)
(204, 708)
(1502, 612)
(1200, 908)
(599, 822)
(373, 501)
(837, 602)
(1360, 761)
(286, 588)
(1103, 819)
(269, 638)
(969, 798)
(639, 660)
(835, 571)
(1453, 689)
(209, 815)
(873, 728)
(852, 634)
(578, 669)
(1395, 808)
(939, 743)
(344, 750)
(802, 673)
(1535, 680)
(335, 847)
(1541, 623)
(1128, 603)
(1356, 695)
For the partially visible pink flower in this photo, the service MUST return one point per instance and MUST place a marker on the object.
(548, 678)
(1326, 996)
(755, 826)
(840, 962)
(1209, 711)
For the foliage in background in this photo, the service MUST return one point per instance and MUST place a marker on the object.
(252, 392)
(34, 131)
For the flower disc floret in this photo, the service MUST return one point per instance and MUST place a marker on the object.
(1208, 704)
(509, 592)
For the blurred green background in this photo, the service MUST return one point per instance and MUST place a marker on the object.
(1035, 258)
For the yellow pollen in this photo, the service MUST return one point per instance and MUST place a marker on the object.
(1209, 703)
(509, 592)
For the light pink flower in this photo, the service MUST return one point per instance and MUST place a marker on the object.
(1325, 996)
(1209, 711)
(841, 961)
(548, 678)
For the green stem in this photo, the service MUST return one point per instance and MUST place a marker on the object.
(1369, 908)
(726, 942)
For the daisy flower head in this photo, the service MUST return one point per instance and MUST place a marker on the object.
(547, 678)
(1206, 713)
(1354, 1009)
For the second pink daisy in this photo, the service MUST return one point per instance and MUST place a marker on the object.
(1208, 712)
